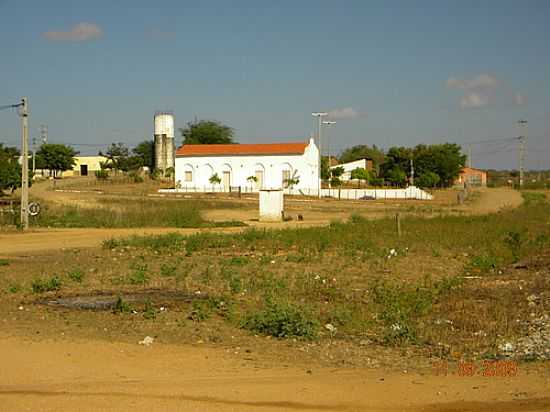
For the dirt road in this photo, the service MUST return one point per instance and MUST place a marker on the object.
(95, 375)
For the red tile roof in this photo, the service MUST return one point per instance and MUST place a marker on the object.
(240, 149)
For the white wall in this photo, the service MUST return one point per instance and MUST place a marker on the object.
(348, 167)
(304, 167)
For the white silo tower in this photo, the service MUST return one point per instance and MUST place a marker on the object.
(164, 141)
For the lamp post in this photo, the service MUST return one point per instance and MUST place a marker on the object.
(328, 123)
(319, 116)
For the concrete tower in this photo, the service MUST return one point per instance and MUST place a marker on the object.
(164, 141)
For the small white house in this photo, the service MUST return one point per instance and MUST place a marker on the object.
(249, 166)
(350, 166)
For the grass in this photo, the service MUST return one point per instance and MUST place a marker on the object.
(491, 235)
(46, 285)
(282, 320)
(287, 283)
(4, 262)
(76, 275)
(293, 283)
(126, 213)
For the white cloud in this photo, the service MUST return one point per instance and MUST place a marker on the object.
(479, 82)
(473, 99)
(478, 91)
(520, 99)
(345, 113)
(79, 32)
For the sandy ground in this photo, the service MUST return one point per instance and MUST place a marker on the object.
(67, 374)
(89, 376)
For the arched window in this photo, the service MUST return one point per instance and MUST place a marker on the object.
(188, 173)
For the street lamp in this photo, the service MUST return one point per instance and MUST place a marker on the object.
(328, 123)
(319, 116)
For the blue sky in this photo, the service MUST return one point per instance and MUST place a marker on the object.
(390, 72)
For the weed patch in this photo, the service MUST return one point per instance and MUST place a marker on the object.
(121, 306)
(140, 275)
(76, 275)
(46, 285)
(282, 320)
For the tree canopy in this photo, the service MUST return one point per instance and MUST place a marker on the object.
(55, 157)
(145, 151)
(442, 160)
(207, 132)
(10, 169)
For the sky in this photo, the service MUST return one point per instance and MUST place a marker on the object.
(390, 73)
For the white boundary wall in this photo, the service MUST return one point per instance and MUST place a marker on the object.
(411, 192)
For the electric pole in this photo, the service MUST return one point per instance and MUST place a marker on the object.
(522, 141)
(319, 116)
(24, 113)
(469, 155)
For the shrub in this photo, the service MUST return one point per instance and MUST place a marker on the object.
(102, 174)
(136, 178)
(139, 276)
(399, 308)
(4, 262)
(514, 241)
(282, 320)
(149, 312)
(167, 270)
(121, 306)
(201, 310)
(482, 264)
(46, 285)
(76, 276)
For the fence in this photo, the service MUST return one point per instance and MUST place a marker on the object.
(410, 192)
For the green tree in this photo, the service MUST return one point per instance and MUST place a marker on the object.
(363, 152)
(325, 170)
(427, 179)
(335, 174)
(396, 176)
(118, 157)
(146, 152)
(207, 132)
(446, 160)
(55, 158)
(362, 175)
(10, 169)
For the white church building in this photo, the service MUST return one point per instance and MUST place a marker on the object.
(249, 166)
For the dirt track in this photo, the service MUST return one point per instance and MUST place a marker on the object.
(86, 376)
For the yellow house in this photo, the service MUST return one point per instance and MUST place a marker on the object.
(85, 165)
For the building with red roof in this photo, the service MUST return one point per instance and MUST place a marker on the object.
(249, 166)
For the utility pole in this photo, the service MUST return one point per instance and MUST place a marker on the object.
(320, 116)
(469, 155)
(522, 141)
(24, 113)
